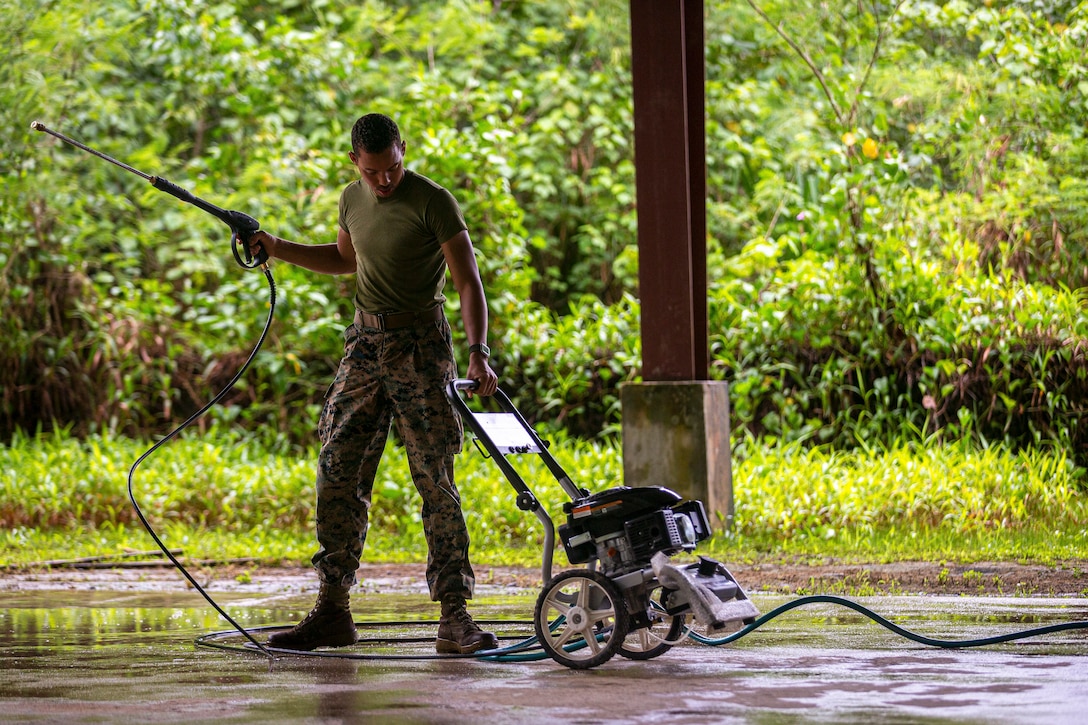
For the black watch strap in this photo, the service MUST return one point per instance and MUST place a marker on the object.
(480, 347)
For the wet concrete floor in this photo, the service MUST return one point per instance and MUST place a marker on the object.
(97, 656)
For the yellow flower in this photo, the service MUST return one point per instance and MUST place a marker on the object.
(848, 139)
(870, 148)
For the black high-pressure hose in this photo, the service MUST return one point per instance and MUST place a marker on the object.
(174, 433)
(529, 649)
(242, 227)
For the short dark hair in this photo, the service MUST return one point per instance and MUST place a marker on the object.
(374, 133)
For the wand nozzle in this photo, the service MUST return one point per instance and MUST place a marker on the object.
(242, 226)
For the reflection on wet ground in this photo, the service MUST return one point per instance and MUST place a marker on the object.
(99, 656)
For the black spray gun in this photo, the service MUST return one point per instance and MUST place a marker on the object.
(242, 226)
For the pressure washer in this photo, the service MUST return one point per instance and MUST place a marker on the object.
(625, 595)
(628, 599)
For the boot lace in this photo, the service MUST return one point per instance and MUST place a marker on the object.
(459, 617)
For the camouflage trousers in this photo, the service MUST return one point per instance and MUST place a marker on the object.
(396, 375)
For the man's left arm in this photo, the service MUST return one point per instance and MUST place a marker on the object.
(470, 289)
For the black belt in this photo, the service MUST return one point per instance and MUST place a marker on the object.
(396, 320)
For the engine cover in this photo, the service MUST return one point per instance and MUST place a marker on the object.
(624, 527)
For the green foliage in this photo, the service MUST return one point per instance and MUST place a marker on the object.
(250, 106)
(564, 371)
(222, 482)
(981, 357)
(896, 208)
(910, 272)
(960, 489)
(221, 496)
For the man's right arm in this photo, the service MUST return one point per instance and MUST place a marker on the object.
(338, 258)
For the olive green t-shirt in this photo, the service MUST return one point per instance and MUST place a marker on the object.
(399, 265)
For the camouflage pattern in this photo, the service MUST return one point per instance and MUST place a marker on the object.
(394, 376)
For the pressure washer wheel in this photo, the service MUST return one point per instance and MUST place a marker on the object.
(581, 620)
(664, 630)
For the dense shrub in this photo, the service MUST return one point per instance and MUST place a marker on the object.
(896, 207)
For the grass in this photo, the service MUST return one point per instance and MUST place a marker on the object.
(223, 497)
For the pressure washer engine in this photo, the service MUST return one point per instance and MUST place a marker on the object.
(623, 527)
(629, 598)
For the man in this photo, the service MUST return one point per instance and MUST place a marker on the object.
(399, 233)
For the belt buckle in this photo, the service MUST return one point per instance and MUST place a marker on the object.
(381, 321)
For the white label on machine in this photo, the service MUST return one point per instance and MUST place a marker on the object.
(507, 433)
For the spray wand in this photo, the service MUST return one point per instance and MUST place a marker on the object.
(242, 226)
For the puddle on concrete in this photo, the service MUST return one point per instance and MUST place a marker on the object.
(103, 656)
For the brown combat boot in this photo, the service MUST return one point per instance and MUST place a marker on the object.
(457, 633)
(329, 624)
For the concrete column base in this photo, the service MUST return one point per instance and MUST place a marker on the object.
(676, 435)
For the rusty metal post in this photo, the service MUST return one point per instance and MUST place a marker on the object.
(676, 423)
(667, 51)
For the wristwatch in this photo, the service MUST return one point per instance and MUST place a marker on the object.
(480, 347)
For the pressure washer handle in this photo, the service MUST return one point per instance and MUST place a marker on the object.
(453, 392)
(242, 226)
